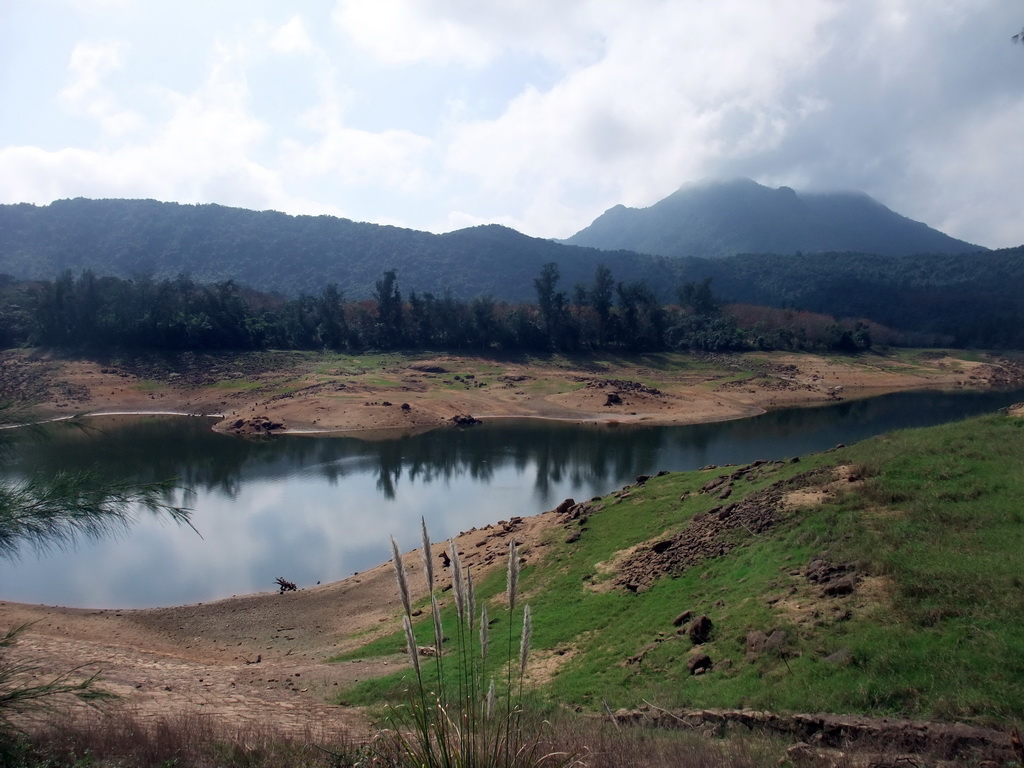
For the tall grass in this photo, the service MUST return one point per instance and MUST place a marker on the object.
(467, 711)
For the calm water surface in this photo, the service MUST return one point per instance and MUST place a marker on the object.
(319, 509)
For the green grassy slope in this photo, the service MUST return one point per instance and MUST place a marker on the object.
(929, 523)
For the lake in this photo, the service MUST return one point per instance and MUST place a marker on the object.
(317, 509)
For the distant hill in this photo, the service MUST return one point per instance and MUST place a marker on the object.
(273, 251)
(725, 218)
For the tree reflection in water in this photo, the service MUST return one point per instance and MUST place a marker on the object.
(318, 508)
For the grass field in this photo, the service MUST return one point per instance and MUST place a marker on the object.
(932, 529)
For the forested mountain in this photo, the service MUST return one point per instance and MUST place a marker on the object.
(970, 299)
(272, 251)
(725, 218)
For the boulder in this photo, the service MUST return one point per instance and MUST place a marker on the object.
(682, 618)
(699, 663)
(700, 630)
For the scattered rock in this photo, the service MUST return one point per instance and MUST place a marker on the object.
(839, 658)
(700, 630)
(256, 425)
(715, 533)
(699, 663)
(682, 618)
(756, 640)
(638, 657)
(759, 642)
(835, 579)
(840, 587)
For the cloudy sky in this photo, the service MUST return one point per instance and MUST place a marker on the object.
(538, 114)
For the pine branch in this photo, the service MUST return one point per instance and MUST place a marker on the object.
(48, 513)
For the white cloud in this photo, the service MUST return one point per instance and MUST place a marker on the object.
(468, 32)
(292, 37)
(976, 187)
(401, 32)
(538, 115)
(652, 112)
(349, 156)
(86, 93)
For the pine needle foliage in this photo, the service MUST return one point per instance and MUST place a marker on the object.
(54, 512)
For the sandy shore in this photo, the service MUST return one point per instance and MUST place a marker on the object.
(262, 658)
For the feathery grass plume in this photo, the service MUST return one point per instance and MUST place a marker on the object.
(470, 601)
(458, 585)
(492, 698)
(403, 585)
(513, 574)
(410, 641)
(428, 556)
(524, 644)
(466, 722)
(435, 611)
(485, 633)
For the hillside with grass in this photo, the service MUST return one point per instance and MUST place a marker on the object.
(882, 578)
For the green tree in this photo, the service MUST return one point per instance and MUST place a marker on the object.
(331, 325)
(550, 301)
(389, 311)
(698, 298)
(601, 298)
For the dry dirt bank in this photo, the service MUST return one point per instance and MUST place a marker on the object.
(280, 391)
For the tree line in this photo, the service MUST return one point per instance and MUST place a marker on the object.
(100, 313)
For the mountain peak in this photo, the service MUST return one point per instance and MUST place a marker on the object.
(713, 218)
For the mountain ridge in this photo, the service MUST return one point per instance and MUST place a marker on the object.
(273, 251)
